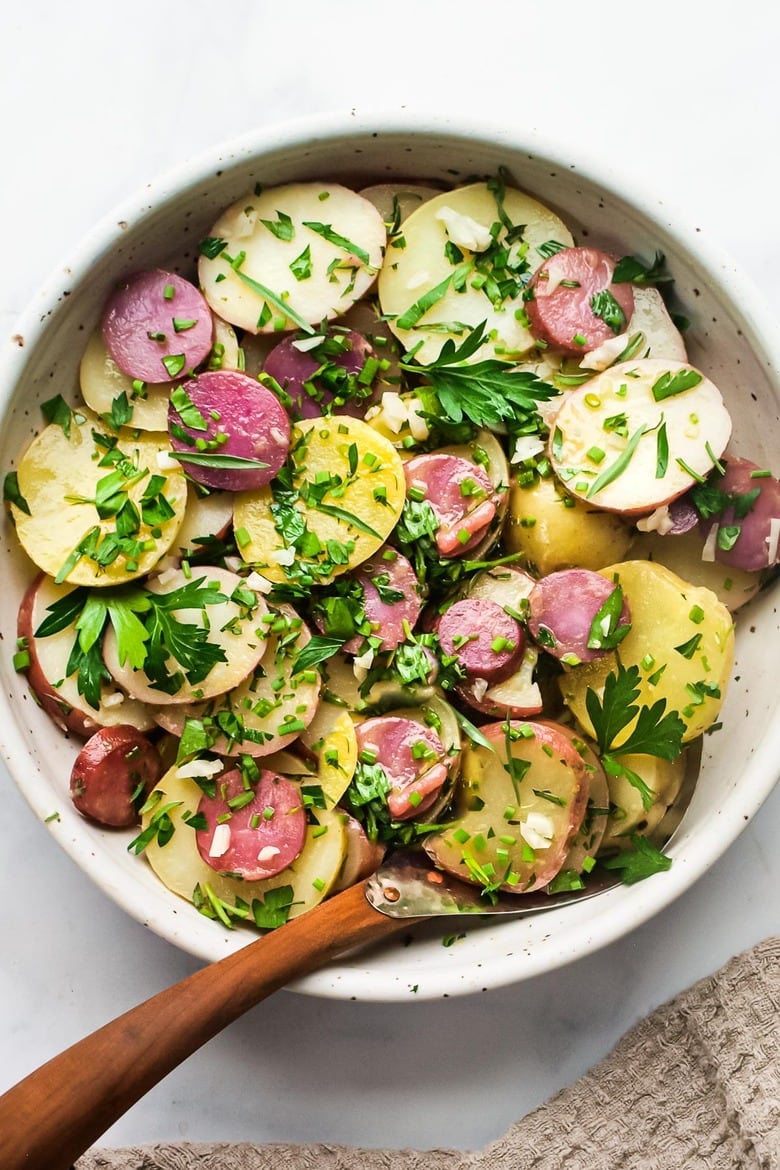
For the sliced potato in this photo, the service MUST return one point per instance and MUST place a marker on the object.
(358, 511)
(428, 273)
(681, 640)
(180, 867)
(57, 690)
(683, 555)
(238, 631)
(638, 435)
(331, 737)
(59, 476)
(102, 381)
(395, 202)
(518, 804)
(268, 707)
(553, 530)
(310, 250)
(627, 813)
(206, 516)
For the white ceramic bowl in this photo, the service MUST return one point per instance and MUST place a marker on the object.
(731, 338)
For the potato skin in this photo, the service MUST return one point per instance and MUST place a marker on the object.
(563, 535)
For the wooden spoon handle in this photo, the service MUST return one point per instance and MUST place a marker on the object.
(58, 1111)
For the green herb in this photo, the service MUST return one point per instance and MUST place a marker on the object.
(417, 311)
(217, 459)
(617, 468)
(487, 393)
(56, 410)
(274, 909)
(211, 247)
(174, 363)
(604, 305)
(12, 494)
(641, 862)
(668, 385)
(661, 452)
(606, 632)
(631, 270)
(326, 231)
(317, 649)
(282, 227)
(655, 732)
(301, 265)
(187, 411)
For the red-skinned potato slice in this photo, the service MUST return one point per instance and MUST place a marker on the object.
(180, 867)
(517, 697)
(330, 371)
(638, 435)
(224, 414)
(233, 627)
(575, 307)
(157, 325)
(57, 692)
(413, 758)
(745, 534)
(321, 252)
(256, 838)
(363, 856)
(112, 774)
(518, 805)
(563, 607)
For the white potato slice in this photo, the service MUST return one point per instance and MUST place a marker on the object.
(59, 476)
(424, 274)
(180, 867)
(358, 518)
(235, 629)
(321, 253)
(629, 440)
(651, 317)
(58, 691)
(627, 813)
(270, 707)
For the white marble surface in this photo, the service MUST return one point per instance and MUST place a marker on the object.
(95, 99)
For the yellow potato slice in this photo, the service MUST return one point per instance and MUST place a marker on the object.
(314, 247)
(627, 814)
(683, 555)
(58, 471)
(368, 477)
(553, 530)
(180, 867)
(681, 640)
(331, 736)
(425, 271)
(518, 804)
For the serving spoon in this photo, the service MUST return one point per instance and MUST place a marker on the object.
(57, 1112)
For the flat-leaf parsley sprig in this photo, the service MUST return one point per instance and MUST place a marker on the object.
(488, 393)
(148, 634)
(656, 732)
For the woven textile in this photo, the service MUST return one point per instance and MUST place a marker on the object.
(696, 1085)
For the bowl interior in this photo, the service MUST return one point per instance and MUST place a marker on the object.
(727, 338)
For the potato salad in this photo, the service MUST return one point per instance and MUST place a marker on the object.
(394, 517)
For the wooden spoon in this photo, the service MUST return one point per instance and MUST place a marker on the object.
(56, 1113)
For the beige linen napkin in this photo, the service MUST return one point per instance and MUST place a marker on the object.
(695, 1086)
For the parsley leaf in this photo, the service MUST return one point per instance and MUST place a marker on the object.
(629, 269)
(488, 393)
(12, 494)
(640, 862)
(604, 305)
(655, 733)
